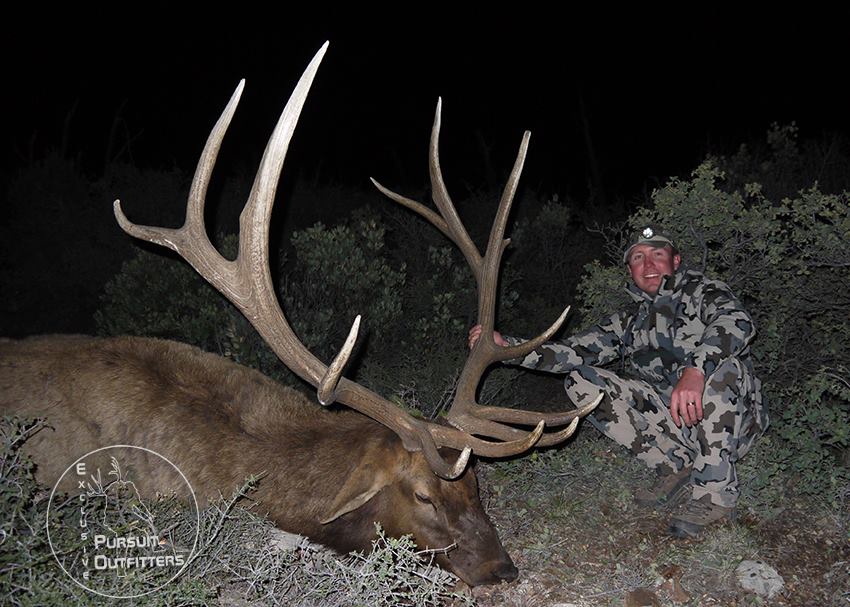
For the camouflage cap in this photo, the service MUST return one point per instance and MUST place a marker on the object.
(651, 235)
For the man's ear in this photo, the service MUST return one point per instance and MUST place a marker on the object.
(677, 259)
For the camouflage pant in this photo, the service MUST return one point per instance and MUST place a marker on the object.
(636, 415)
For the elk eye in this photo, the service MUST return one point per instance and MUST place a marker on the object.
(423, 498)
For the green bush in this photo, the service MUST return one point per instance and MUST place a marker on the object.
(159, 295)
(544, 263)
(814, 423)
(405, 326)
(341, 271)
(335, 273)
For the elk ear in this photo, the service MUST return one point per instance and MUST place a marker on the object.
(363, 484)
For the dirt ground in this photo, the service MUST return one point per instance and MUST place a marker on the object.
(608, 564)
(613, 555)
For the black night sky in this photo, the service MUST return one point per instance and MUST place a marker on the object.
(654, 92)
(647, 93)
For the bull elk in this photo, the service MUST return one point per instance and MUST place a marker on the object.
(330, 474)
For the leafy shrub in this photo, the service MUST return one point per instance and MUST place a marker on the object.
(545, 257)
(813, 425)
(340, 271)
(158, 295)
(336, 271)
(601, 292)
(405, 326)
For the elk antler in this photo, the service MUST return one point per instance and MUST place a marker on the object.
(246, 282)
(465, 413)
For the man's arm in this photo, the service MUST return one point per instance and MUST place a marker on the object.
(596, 346)
(728, 330)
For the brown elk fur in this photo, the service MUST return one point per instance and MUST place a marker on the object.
(329, 475)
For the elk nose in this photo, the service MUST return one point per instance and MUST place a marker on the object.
(490, 572)
(507, 572)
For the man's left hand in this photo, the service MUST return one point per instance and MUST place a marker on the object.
(686, 402)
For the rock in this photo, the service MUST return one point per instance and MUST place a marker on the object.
(760, 578)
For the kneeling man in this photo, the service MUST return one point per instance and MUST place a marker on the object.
(678, 382)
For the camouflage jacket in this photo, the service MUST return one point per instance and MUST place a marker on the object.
(691, 322)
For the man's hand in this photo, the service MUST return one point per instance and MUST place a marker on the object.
(475, 333)
(686, 402)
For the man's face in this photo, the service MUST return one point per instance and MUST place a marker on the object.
(649, 265)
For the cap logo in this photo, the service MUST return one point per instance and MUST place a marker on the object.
(648, 233)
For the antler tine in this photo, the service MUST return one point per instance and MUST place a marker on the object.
(497, 243)
(193, 231)
(246, 281)
(447, 221)
(440, 194)
(510, 446)
(527, 418)
(520, 350)
(327, 387)
(458, 439)
(419, 208)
